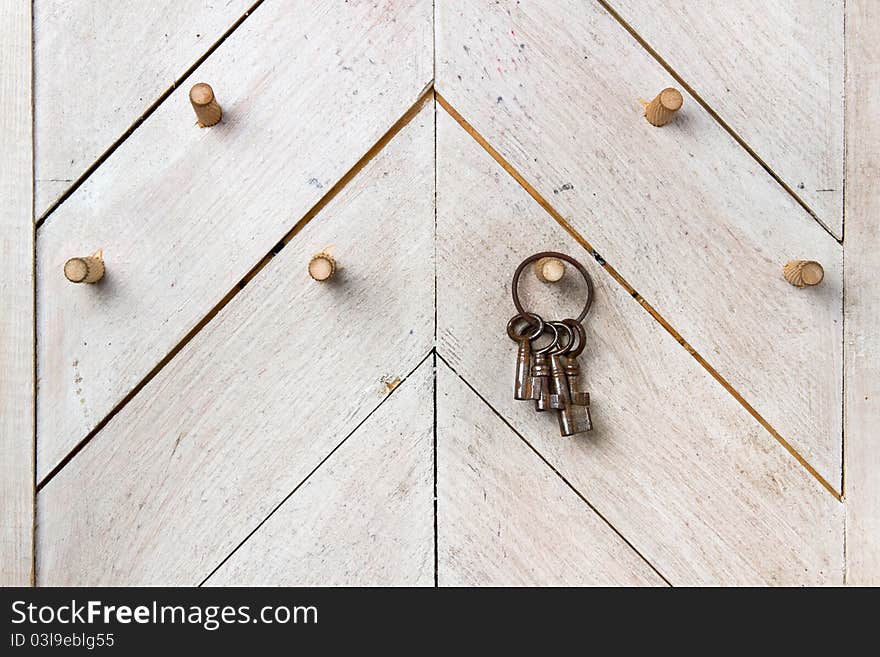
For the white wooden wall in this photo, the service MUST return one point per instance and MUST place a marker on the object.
(100, 66)
(366, 517)
(183, 214)
(862, 401)
(685, 216)
(255, 402)
(674, 463)
(208, 414)
(16, 298)
(772, 72)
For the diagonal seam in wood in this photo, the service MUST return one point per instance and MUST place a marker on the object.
(76, 183)
(550, 465)
(365, 159)
(326, 458)
(536, 195)
(736, 137)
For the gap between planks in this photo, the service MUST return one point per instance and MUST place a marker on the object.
(557, 216)
(434, 373)
(375, 149)
(550, 465)
(843, 368)
(143, 117)
(736, 137)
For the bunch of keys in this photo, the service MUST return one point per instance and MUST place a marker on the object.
(550, 375)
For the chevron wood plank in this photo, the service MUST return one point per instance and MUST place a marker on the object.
(16, 299)
(99, 65)
(261, 395)
(862, 402)
(366, 517)
(687, 217)
(773, 72)
(504, 518)
(183, 213)
(674, 463)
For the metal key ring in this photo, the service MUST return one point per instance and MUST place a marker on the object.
(582, 338)
(516, 337)
(561, 256)
(559, 348)
(553, 343)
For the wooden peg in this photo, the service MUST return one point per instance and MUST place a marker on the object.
(322, 266)
(661, 110)
(803, 272)
(549, 270)
(205, 105)
(86, 269)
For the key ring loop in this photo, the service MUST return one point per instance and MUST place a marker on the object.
(516, 337)
(582, 338)
(561, 256)
(553, 343)
(559, 350)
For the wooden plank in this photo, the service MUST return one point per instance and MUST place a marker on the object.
(16, 298)
(99, 65)
(862, 348)
(366, 517)
(182, 213)
(504, 518)
(684, 215)
(773, 71)
(289, 368)
(675, 464)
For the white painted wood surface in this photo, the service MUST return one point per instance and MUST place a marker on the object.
(504, 518)
(862, 345)
(688, 218)
(99, 65)
(16, 298)
(773, 71)
(249, 407)
(675, 464)
(365, 517)
(182, 213)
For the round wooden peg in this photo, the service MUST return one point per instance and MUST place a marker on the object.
(661, 110)
(322, 266)
(802, 273)
(208, 111)
(549, 270)
(85, 269)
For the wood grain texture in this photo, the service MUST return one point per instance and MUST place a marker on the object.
(16, 298)
(504, 518)
(674, 463)
(99, 65)
(209, 203)
(186, 470)
(365, 517)
(681, 212)
(862, 301)
(773, 71)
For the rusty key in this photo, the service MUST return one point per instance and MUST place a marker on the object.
(522, 385)
(575, 417)
(540, 379)
(552, 379)
(559, 393)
